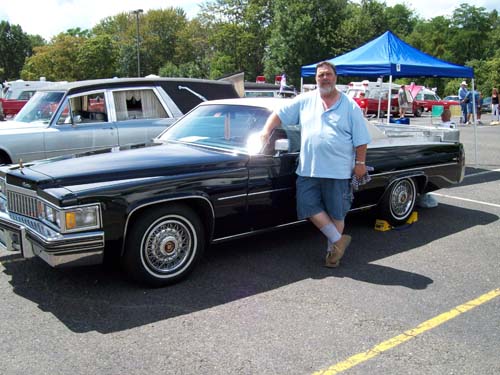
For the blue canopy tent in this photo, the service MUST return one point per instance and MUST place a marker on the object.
(389, 56)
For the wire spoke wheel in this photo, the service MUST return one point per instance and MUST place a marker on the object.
(164, 245)
(399, 201)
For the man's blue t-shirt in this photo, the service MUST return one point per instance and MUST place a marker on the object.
(328, 138)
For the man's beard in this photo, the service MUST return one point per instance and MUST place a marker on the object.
(327, 89)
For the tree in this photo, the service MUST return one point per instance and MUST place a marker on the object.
(97, 57)
(237, 31)
(160, 31)
(57, 61)
(15, 47)
(303, 32)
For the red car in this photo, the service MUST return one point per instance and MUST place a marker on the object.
(377, 100)
(425, 99)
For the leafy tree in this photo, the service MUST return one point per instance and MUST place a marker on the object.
(159, 38)
(97, 57)
(56, 61)
(15, 47)
(471, 26)
(237, 34)
(303, 32)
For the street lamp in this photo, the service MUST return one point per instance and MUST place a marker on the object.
(137, 12)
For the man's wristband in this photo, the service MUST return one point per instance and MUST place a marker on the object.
(360, 162)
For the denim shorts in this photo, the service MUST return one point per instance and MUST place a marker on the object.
(315, 195)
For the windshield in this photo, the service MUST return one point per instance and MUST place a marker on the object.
(40, 107)
(219, 125)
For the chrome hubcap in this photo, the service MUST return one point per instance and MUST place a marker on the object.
(167, 246)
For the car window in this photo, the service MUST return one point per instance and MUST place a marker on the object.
(225, 126)
(138, 104)
(84, 109)
(26, 95)
(41, 107)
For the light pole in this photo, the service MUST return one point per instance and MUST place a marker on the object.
(137, 12)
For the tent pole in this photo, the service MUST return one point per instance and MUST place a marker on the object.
(474, 117)
(389, 100)
(301, 84)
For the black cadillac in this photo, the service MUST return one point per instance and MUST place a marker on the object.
(207, 179)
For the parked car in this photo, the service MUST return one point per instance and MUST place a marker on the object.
(208, 179)
(268, 90)
(486, 107)
(425, 99)
(89, 115)
(16, 94)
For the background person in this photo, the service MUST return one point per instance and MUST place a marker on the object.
(334, 140)
(446, 120)
(495, 116)
(462, 95)
(402, 101)
(363, 104)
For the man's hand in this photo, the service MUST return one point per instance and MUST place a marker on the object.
(360, 170)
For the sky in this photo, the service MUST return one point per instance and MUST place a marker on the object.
(51, 17)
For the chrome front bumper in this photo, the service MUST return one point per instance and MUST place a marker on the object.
(32, 238)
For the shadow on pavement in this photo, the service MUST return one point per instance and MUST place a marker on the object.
(97, 299)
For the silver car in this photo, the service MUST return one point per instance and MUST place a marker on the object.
(78, 117)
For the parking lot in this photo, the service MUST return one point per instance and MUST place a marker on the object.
(420, 299)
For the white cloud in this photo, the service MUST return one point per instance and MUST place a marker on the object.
(51, 17)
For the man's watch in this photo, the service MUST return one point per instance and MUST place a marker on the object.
(360, 162)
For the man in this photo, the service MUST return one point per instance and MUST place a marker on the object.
(334, 140)
(363, 104)
(462, 95)
(402, 101)
(446, 120)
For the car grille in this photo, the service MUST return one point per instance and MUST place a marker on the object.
(22, 204)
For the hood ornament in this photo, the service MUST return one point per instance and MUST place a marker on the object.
(21, 166)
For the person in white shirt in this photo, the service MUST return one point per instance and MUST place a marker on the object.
(446, 120)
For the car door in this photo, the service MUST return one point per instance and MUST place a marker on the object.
(81, 125)
(271, 187)
(140, 114)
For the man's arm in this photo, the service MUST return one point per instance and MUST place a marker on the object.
(360, 166)
(273, 121)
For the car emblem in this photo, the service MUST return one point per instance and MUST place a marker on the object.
(26, 185)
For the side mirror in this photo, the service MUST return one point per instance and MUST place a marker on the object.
(77, 119)
(282, 145)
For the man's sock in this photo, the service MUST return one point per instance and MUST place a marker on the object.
(331, 232)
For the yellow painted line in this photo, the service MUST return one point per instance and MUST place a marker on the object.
(407, 335)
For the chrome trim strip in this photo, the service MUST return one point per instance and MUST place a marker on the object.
(412, 169)
(251, 194)
(221, 239)
(259, 231)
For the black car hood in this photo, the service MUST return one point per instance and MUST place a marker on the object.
(162, 160)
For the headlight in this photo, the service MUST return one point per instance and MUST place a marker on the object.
(2, 186)
(71, 219)
(81, 218)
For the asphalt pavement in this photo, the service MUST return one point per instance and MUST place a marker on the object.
(422, 299)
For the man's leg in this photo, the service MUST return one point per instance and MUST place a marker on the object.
(332, 229)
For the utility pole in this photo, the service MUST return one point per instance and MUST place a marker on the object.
(137, 12)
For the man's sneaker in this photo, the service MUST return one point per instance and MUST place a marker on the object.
(337, 251)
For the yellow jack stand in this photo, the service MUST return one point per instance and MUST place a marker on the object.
(383, 226)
